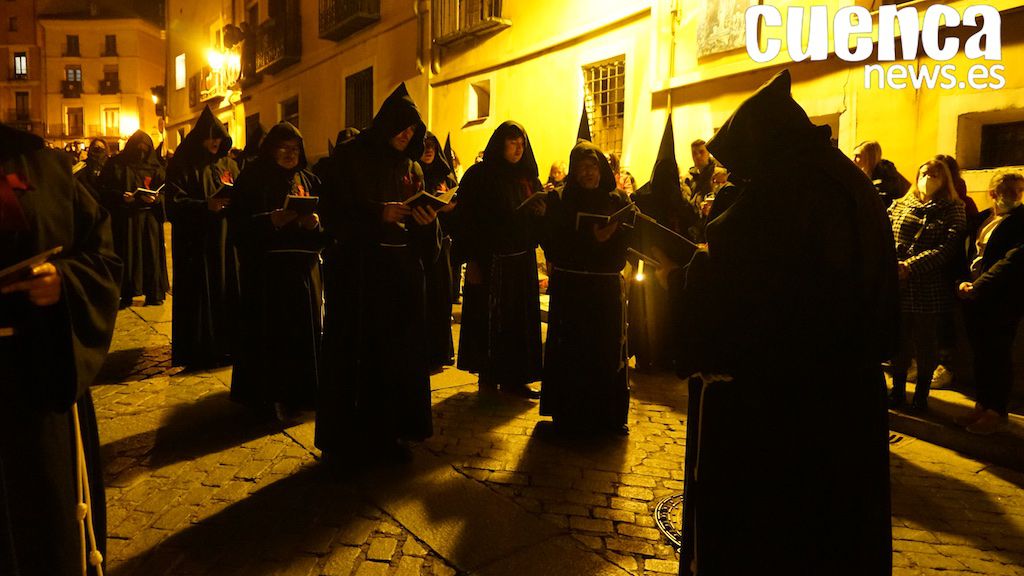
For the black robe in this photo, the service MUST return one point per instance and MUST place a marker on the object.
(500, 335)
(89, 176)
(279, 351)
(441, 347)
(49, 363)
(206, 281)
(138, 227)
(375, 384)
(650, 325)
(585, 366)
(795, 300)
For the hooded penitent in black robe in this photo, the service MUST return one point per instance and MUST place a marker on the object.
(89, 174)
(440, 346)
(375, 381)
(138, 226)
(795, 300)
(50, 356)
(650, 326)
(279, 351)
(205, 265)
(500, 334)
(585, 366)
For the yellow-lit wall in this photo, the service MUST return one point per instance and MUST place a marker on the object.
(535, 68)
(140, 64)
(912, 125)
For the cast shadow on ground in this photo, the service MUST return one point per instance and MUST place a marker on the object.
(118, 365)
(288, 522)
(945, 504)
(209, 425)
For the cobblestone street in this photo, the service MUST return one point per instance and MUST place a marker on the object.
(197, 485)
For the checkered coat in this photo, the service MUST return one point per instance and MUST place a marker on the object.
(927, 240)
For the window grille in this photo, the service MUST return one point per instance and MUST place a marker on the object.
(359, 99)
(605, 98)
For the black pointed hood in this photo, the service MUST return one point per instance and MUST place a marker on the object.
(665, 174)
(765, 129)
(191, 150)
(130, 154)
(397, 113)
(449, 152)
(583, 133)
(583, 150)
(494, 153)
(14, 142)
(439, 168)
(279, 133)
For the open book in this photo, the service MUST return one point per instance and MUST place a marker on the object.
(541, 195)
(625, 214)
(140, 191)
(302, 205)
(224, 191)
(23, 270)
(424, 198)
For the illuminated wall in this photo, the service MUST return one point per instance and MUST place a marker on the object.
(139, 61)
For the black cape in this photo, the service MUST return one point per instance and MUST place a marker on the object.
(138, 227)
(375, 384)
(500, 334)
(281, 288)
(206, 281)
(795, 300)
(585, 370)
(50, 362)
(441, 347)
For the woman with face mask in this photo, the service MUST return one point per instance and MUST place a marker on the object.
(927, 224)
(89, 174)
(585, 381)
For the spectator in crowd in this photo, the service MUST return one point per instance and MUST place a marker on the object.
(281, 290)
(56, 323)
(927, 224)
(883, 174)
(585, 370)
(992, 295)
(206, 283)
(438, 177)
(623, 179)
(130, 185)
(499, 233)
(556, 177)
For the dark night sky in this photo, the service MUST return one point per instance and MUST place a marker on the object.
(152, 10)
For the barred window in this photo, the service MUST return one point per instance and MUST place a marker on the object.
(359, 99)
(604, 86)
(1002, 144)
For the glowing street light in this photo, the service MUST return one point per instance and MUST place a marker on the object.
(215, 58)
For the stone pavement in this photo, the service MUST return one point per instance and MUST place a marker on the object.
(197, 485)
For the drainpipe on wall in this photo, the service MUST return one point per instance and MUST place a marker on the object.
(673, 23)
(425, 51)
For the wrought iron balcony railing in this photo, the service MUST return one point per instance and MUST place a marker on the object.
(459, 20)
(110, 86)
(279, 44)
(71, 88)
(342, 18)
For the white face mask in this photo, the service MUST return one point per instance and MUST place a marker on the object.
(928, 185)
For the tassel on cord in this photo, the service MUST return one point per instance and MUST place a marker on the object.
(90, 551)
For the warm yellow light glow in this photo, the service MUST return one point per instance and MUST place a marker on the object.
(129, 124)
(234, 61)
(640, 271)
(215, 58)
(156, 100)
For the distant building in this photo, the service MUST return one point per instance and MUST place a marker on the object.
(100, 72)
(21, 66)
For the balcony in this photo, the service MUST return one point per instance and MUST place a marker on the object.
(17, 76)
(279, 44)
(460, 20)
(71, 88)
(18, 118)
(110, 86)
(342, 18)
(212, 84)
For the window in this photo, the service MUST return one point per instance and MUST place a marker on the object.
(604, 86)
(12, 24)
(21, 65)
(110, 45)
(455, 20)
(180, 76)
(76, 122)
(72, 46)
(1002, 144)
(73, 73)
(359, 99)
(290, 111)
(21, 110)
(112, 121)
(252, 14)
(253, 130)
(110, 72)
(479, 100)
